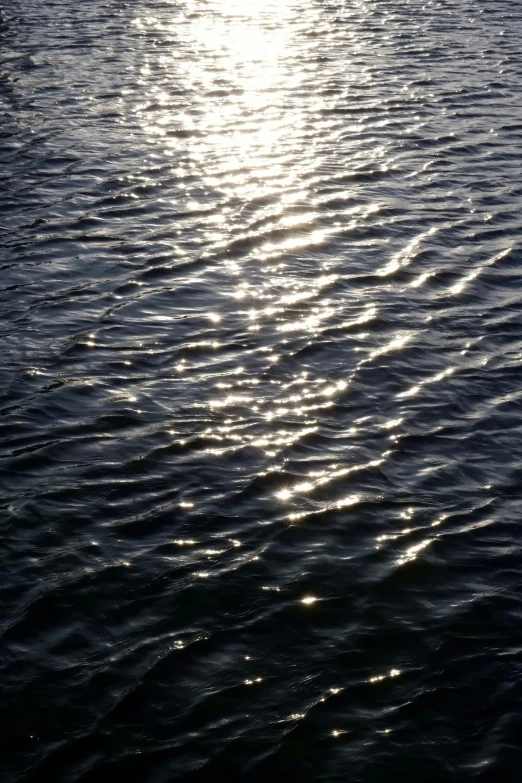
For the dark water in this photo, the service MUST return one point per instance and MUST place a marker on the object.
(261, 340)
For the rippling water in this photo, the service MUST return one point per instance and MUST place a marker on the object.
(261, 340)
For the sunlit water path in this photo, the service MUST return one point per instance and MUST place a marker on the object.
(260, 433)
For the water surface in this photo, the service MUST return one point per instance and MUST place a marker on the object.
(260, 434)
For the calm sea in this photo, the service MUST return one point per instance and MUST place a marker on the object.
(260, 391)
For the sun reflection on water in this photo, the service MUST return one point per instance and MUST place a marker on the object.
(245, 133)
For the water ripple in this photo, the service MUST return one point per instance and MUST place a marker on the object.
(259, 431)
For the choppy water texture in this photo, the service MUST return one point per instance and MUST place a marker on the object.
(260, 426)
